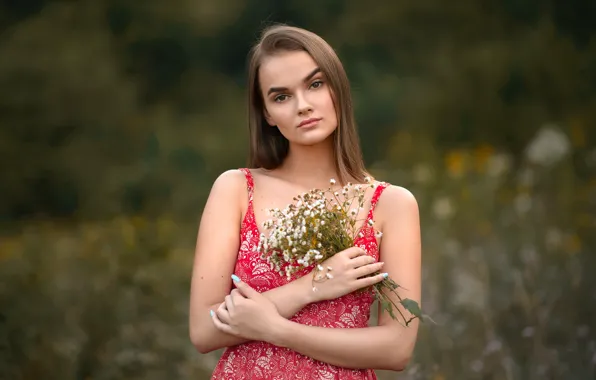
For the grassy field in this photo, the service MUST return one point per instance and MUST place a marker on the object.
(507, 258)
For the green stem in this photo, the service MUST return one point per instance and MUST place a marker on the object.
(381, 295)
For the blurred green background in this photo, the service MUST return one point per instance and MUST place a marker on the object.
(117, 115)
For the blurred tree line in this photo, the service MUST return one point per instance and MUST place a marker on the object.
(118, 105)
(116, 116)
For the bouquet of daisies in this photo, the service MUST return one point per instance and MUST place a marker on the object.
(317, 225)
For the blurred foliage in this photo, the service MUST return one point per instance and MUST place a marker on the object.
(116, 116)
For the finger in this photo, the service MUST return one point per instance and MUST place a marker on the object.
(372, 280)
(236, 294)
(244, 288)
(361, 261)
(229, 302)
(354, 252)
(368, 269)
(223, 314)
(220, 325)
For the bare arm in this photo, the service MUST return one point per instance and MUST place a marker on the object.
(215, 257)
(388, 345)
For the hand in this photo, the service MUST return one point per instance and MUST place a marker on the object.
(246, 313)
(348, 269)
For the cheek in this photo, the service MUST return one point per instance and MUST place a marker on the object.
(279, 115)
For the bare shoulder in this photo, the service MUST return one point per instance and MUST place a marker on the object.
(230, 180)
(397, 200)
(228, 192)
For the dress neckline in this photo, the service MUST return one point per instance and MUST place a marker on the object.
(365, 231)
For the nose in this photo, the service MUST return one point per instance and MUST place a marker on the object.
(304, 106)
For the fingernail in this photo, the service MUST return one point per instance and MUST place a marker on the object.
(235, 278)
(385, 275)
(211, 313)
(381, 263)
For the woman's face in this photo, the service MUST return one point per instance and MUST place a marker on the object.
(297, 98)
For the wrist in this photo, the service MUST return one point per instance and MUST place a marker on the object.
(279, 332)
(304, 285)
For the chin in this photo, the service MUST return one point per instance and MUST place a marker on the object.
(314, 140)
(315, 136)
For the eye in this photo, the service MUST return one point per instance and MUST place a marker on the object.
(280, 98)
(317, 84)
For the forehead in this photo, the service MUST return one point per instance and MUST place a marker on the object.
(285, 69)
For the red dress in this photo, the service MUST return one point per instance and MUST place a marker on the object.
(258, 360)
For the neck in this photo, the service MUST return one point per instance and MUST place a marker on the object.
(312, 165)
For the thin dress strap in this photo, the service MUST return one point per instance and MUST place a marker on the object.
(375, 199)
(250, 184)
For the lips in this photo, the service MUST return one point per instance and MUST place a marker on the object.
(308, 121)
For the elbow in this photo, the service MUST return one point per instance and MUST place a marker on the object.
(404, 355)
(400, 363)
(200, 342)
(403, 350)
(201, 347)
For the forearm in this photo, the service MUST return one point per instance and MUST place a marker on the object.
(375, 347)
(288, 299)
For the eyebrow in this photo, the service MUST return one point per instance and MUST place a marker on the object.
(306, 79)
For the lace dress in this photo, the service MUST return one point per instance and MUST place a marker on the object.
(260, 360)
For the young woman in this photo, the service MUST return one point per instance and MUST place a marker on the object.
(302, 134)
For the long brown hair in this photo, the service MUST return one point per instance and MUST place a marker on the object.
(268, 148)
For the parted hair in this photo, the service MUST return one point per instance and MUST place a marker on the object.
(268, 147)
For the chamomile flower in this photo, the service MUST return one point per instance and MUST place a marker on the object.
(314, 227)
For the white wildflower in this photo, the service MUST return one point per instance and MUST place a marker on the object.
(422, 173)
(499, 164)
(443, 208)
(313, 228)
(549, 146)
